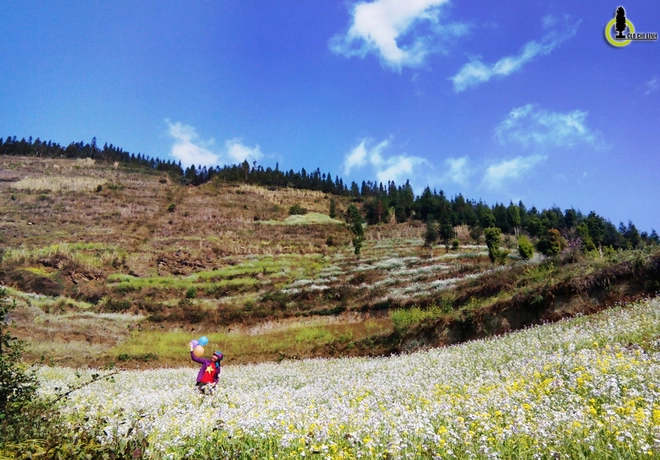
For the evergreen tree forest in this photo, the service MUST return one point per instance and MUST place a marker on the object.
(381, 203)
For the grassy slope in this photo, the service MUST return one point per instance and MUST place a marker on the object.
(127, 277)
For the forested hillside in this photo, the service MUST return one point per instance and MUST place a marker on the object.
(380, 202)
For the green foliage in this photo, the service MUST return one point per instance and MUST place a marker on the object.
(357, 229)
(583, 232)
(297, 210)
(493, 242)
(377, 210)
(476, 232)
(446, 232)
(596, 226)
(404, 318)
(455, 244)
(352, 214)
(513, 213)
(609, 252)
(525, 248)
(171, 207)
(431, 233)
(333, 208)
(191, 292)
(357, 244)
(18, 386)
(486, 218)
(552, 243)
(43, 432)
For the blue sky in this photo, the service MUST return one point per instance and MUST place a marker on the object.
(498, 101)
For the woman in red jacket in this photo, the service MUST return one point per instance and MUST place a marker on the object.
(209, 372)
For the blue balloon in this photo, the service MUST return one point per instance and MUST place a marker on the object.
(203, 340)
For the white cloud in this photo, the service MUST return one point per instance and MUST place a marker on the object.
(528, 125)
(458, 171)
(357, 157)
(238, 152)
(476, 72)
(396, 168)
(381, 26)
(509, 170)
(652, 85)
(188, 151)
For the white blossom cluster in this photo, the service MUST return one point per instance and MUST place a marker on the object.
(586, 387)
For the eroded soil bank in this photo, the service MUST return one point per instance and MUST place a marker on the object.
(586, 294)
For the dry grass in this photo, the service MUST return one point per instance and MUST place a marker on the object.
(311, 218)
(58, 184)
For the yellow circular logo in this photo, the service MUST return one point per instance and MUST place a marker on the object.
(608, 33)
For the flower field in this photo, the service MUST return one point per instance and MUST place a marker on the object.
(582, 388)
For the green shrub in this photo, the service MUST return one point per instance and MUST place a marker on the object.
(552, 243)
(296, 209)
(171, 207)
(18, 387)
(493, 242)
(525, 248)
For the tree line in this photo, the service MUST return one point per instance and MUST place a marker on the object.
(381, 203)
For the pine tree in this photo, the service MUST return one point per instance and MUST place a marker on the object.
(357, 230)
(431, 234)
(446, 232)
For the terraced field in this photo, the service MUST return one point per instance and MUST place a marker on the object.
(127, 266)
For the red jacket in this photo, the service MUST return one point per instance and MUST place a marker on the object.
(209, 372)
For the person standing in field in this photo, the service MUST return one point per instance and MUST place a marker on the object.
(209, 372)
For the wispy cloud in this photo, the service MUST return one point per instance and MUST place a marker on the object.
(652, 85)
(549, 21)
(395, 168)
(509, 170)
(457, 171)
(476, 72)
(380, 27)
(362, 154)
(190, 149)
(530, 126)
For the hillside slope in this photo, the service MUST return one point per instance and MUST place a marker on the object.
(112, 264)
